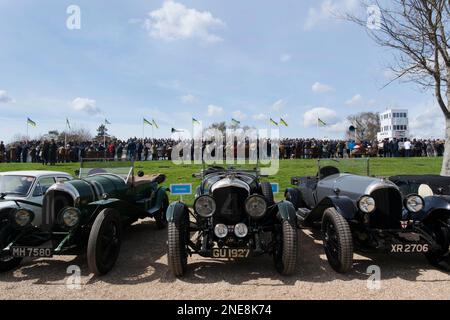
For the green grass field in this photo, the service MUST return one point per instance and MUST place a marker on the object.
(288, 168)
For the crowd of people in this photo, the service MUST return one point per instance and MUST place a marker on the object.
(50, 152)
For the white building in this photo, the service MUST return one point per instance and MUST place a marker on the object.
(394, 124)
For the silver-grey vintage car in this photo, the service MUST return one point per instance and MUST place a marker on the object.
(369, 214)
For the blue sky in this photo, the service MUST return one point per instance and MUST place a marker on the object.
(208, 59)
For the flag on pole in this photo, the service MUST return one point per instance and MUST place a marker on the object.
(107, 122)
(68, 123)
(147, 122)
(31, 122)
(235, 122)
(283, 122)
(195, 121)
(273, 122)
(155, 124)
(176, 130)
(321, 123)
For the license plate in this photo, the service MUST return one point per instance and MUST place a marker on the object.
(31, 252)
(409, 248)
(230, 253)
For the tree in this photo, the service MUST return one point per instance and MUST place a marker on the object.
(102, 131)
(221, 126)
(367, 126)
(418, 32)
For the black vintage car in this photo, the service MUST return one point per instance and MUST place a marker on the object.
(84, 215)
(429, 184)
(234, 216)
(369, 214)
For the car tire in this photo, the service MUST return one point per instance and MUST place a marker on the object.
(338, 241)
(286, 248)
(441, 234)
(266, 190)
(177, 254)
(104, 242)
(7, 262)
(160, 217)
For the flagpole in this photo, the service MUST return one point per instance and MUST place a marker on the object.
(317, 127)
(65, 135)
(27, 130)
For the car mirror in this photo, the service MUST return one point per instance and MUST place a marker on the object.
(197, 175)
(140, 173)
(77, 173)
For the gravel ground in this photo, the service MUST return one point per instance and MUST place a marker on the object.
(142, 273)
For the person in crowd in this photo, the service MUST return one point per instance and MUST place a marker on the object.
(53, 149)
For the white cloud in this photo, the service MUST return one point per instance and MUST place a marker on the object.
(328, 10)
(174, 21)
(260, 117)
(86, 105)
(356, 100)
(426, 122)
(188, 98)
(327, 115)
(5, 98)
(285, 57)
(278, 105)
(214, 110)
(239, 115)
(321, 88)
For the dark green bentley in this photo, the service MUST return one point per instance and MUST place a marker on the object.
(85, 215)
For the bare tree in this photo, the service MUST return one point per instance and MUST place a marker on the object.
(367, 126)
(418, 32)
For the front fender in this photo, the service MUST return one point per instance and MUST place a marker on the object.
(434, 207)
(286, 212)
(343, 204)
(159, 197)
(176, 212)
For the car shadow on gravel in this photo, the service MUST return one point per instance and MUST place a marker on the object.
(142, 245)
(315, 267)
(143, 259)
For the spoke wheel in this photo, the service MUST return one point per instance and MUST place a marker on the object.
(337, 241)
(441, 234)
(285, 248)
(7, 262)
(160, 217)
(104, 242)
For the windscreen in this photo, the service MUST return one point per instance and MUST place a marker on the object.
(90, 167)
(358, 166)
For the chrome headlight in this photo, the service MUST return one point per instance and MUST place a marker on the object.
(240, 230)
(255, 206)
(69, 217)
(414, 203)
(221, 230)
(23, 217)
(366, 204)
(205, 206)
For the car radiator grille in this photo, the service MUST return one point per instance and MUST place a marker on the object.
(230, 204)
(388, 212)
